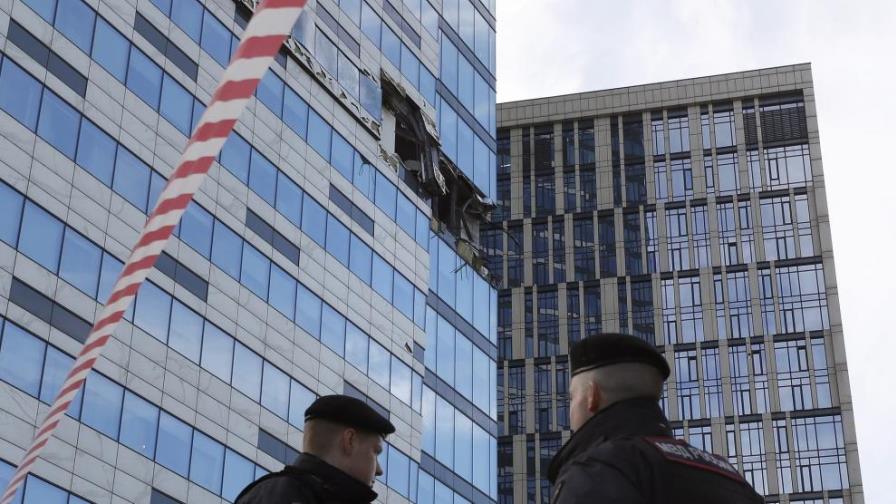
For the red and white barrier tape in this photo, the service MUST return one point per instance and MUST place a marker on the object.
(270, 25)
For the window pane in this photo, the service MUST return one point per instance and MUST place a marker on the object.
(110, 50)
(463, 369)
(391, 46)
(144, 78)
(308, 311)
(403, 296)
(263, 177)
(41, 236)
(131, 178)
(108, 274)
(379, 364)
(295, 113)
(207, 462)
(58, 124)
(11, 204)
(445, 351)
(299, 400)
(186, 332)
(248, 364)
(401, 380)
(337, 239)
(96, 152)
(38, 490)
(152, 310)
(44, 8)
(256, 271)
(463, 445)
(102, 404)
(56, 368)
(360, 258)
(275, 390)
(80, 264)
(238, 473)
(196, 229)
(282, 291)
(397, 471)
(314, 221)
(235, 157)
(326, 53)
(332, 332)
(406, 215)
(217, 352)
(21, 358)
(177, 105)
(319, 134)
(227, 250)
(289, 199)
(215, 39)
(342, 156)
(356, 347)
(382, 277)
(187, 14)
(19, 94)
(173, 448)
(385, 195)
(370, 24)
(139, 421)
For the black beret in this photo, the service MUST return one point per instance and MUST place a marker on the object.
(610, 348)
(349, 411)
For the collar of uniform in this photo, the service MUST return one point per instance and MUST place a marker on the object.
(339, 486)
(632, 417)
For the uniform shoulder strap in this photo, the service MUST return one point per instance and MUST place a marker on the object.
(678, 451)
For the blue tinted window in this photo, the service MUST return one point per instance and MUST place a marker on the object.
(319, 134)
(464, 304)
(445, 351)
(403, 297)
(325, 52)
(289, 199)
(96, 152)
(448, 130)
(449, 65)
(364, 177)
(177, 105)
(139, 420)
(58, 124)
(314, 221)
(295, 113)
(38, 490)
(447, 275)
(463, 446)
(342, 157)
(425, 488)
(428, 86)
(299, 400)
(131, 178)
(198, 110)
(144, 78)
(378, 366)
(444, 434)
(429, 356)
(111, 49)
(275, 390)
(75, 21)
(465, 82)
(397, 471)
(382, 277)
(217, 352)
(391, 46)
(270, 92)
(187, 14)
(401, 380)
(337, 239)
(41, 236)
(480, 458)
(410, 66)
(186, 331)
(108, 274)
(482, 100)
(11, 210)
(56, 368)
(406, 215)
(196, 229)
(173, 447)
(332, 331)
(19, 94)
(152, 310)
(282, 291)
(21, 357)
(227, 250)
(360, 259)
(80, 264)
(385, 195)
(45, 8)
(248, 377)
(463, 369)
(235, 157)
(419, 307)
(370, 24)
(480, 304)
(308, 311)
(216, 39)
(156, 184)
(465, 148)
(356, 347)
(480, 164)
(207, 462)
(101, 408)
(163, 5)
(480, 375)
(263, 177)
(371, 97)
(238, 473)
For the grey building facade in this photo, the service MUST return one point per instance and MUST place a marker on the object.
(691, 214)
(323, 254)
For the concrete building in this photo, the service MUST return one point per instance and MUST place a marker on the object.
(691, 214)
(337, 228)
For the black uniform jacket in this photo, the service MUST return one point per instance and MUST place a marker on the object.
(626, 454)
(309, 480)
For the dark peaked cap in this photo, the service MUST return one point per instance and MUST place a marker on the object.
(349, 411)
(609, 348)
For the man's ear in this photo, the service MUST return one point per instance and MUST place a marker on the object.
(594, 397)
(348, 441)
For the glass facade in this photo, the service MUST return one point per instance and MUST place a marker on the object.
(307, 264)
(698, 230)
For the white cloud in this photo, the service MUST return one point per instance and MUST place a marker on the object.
(553, 47)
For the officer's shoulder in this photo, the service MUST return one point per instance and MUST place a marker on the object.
(282, 486)
(628, 455)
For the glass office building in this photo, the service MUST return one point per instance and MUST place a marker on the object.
(332, 249)
(691, 214)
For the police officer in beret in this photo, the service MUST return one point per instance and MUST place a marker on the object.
(343, 438)
(622, 450)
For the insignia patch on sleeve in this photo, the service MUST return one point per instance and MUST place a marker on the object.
(678, 451)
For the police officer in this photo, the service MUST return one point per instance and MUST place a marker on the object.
(342, 439)
(622, 450)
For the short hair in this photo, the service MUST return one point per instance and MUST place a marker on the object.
(321, 437)
(627, 380)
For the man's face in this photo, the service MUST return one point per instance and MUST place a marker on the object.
(582, 400)
(363, 463)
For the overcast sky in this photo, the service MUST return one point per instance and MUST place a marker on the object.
(552, 47)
